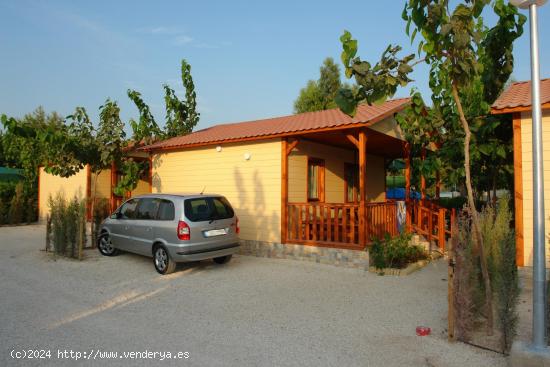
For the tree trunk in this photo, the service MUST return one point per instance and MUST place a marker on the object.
(475, 217)
(92, 207)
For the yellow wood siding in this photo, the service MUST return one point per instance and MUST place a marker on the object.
(51, 185)
(334, 158)
(141, 188)
(527, 175)
(103, 182)
(252, 186)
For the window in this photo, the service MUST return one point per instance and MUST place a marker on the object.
(209, 208)
(351, 175)
(128, 209)
(147, 209)
(166, 210)
(223, 208)
(315, 179)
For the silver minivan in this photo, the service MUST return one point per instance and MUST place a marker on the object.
(172, 228)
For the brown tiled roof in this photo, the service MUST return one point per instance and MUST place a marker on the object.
(518, 96)
(284, 126)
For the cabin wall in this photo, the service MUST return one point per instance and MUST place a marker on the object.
(51, 185)
(253, 186)
(527, 180)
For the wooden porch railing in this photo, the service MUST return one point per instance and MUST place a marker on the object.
(430, 220)
(337, 225)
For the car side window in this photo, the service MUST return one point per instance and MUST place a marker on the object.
(147, 208)
(166, 210)
(128, 210)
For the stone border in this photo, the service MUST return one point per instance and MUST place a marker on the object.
(322, 255)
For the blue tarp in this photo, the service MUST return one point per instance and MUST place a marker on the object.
(399, 194)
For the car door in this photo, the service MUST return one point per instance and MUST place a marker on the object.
(120, 229)
(142, 229)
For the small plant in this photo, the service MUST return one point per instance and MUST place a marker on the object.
(2, 212)
(16, 210)
(31, 211)
(101, 211)
(67, 223)
(396, 252)
(465, 280)
(48, 232)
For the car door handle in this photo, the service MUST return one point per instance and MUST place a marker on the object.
(148, 229)
(126, 227)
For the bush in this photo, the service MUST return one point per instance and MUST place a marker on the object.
(452, 203)
(468, 288)
(3, 209)
(16, 210)
(101, 211)
(396, 252)
(465, 280)
(67, 225)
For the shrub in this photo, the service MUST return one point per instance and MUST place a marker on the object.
(500, 246)
(16, 209)
(465, 279)
(396, 252)
(452, 203)
(3, 209)
(468, 287)
(101, 211)
(67, 225)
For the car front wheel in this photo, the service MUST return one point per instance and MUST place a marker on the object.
(105, 245)
(163, 263)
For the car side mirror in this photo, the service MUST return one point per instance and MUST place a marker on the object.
(115, 215)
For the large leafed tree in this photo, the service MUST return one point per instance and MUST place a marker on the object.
(469, 61)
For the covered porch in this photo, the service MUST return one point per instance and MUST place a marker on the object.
(334, 190)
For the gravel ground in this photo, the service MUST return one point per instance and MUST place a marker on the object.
(250, 312)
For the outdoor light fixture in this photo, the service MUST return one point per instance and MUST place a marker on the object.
(247, 156)
(525, 4)
(539, 235)
(219, 148)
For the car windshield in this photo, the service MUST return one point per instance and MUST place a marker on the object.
(208, 208)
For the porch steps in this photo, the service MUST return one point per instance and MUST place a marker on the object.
(430, 247)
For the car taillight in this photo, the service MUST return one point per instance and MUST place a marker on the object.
(184, 232)
(237, 229)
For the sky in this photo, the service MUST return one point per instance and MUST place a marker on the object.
(249, 58)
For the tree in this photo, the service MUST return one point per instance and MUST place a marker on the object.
(319, 94)
(181, 116)
(146, 129)
(460, 51)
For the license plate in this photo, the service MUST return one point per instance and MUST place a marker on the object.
(215, 232)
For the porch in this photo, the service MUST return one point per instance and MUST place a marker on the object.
(349, 209)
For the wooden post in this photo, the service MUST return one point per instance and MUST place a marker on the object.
(362, 188)
(422, 178)
(80, 237)
(113, 184)
(437, 184)
(284, 190)
(441, 228)
(408, 203)
(450, 284)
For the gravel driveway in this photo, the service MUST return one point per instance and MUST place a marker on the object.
(250, 312)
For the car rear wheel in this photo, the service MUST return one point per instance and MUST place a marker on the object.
(105, 245)
(222, 259)
(163, 263)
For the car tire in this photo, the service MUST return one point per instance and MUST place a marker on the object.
(222, 259)
(105, 246)
(162, 261)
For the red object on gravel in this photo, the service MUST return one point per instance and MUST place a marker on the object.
(423, 330)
